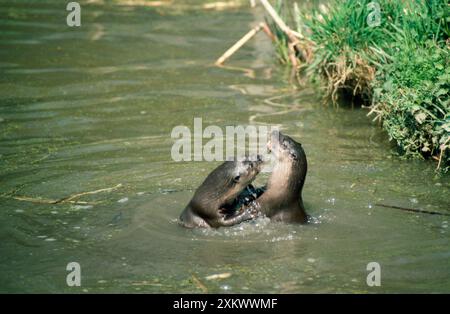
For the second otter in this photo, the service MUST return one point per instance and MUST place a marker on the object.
(282, 200)
(217, 202)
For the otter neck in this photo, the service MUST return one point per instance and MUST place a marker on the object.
(283, 186)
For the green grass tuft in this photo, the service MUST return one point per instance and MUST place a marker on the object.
(399, 67)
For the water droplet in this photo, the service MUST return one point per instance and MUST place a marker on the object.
(225, 287)
(331, 200)
(413, 200)
(311, 260)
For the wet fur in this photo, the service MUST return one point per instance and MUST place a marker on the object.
(208, 207)
(282, 200)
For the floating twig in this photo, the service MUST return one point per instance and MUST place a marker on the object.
(422, 211)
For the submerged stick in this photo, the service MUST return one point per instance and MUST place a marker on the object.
(71, 197)
(67, 199)
(239, 44)
(46, 200)
(413, 210)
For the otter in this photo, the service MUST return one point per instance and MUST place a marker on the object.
(282, 198)
(219, 200)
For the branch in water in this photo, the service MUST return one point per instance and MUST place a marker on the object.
(239, 44)
(69, 199)
(413, 210)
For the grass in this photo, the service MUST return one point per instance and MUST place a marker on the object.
(399, 67)
(413, 98)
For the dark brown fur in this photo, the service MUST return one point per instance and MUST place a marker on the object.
(210, 205)
(282, 200)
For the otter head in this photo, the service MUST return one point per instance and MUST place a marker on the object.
(284, 148)
(224, 183)
(241, 173)
(290, 168)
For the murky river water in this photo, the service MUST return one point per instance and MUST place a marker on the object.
(83, 109)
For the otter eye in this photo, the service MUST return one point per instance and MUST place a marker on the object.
(236, 178)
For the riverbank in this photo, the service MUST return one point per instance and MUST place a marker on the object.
(391, 56)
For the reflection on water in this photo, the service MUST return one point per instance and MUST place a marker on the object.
(91, 108)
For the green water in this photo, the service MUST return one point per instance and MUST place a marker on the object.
(89, 108)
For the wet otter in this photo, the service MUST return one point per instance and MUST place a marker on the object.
(282, 200)
(217, 202)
